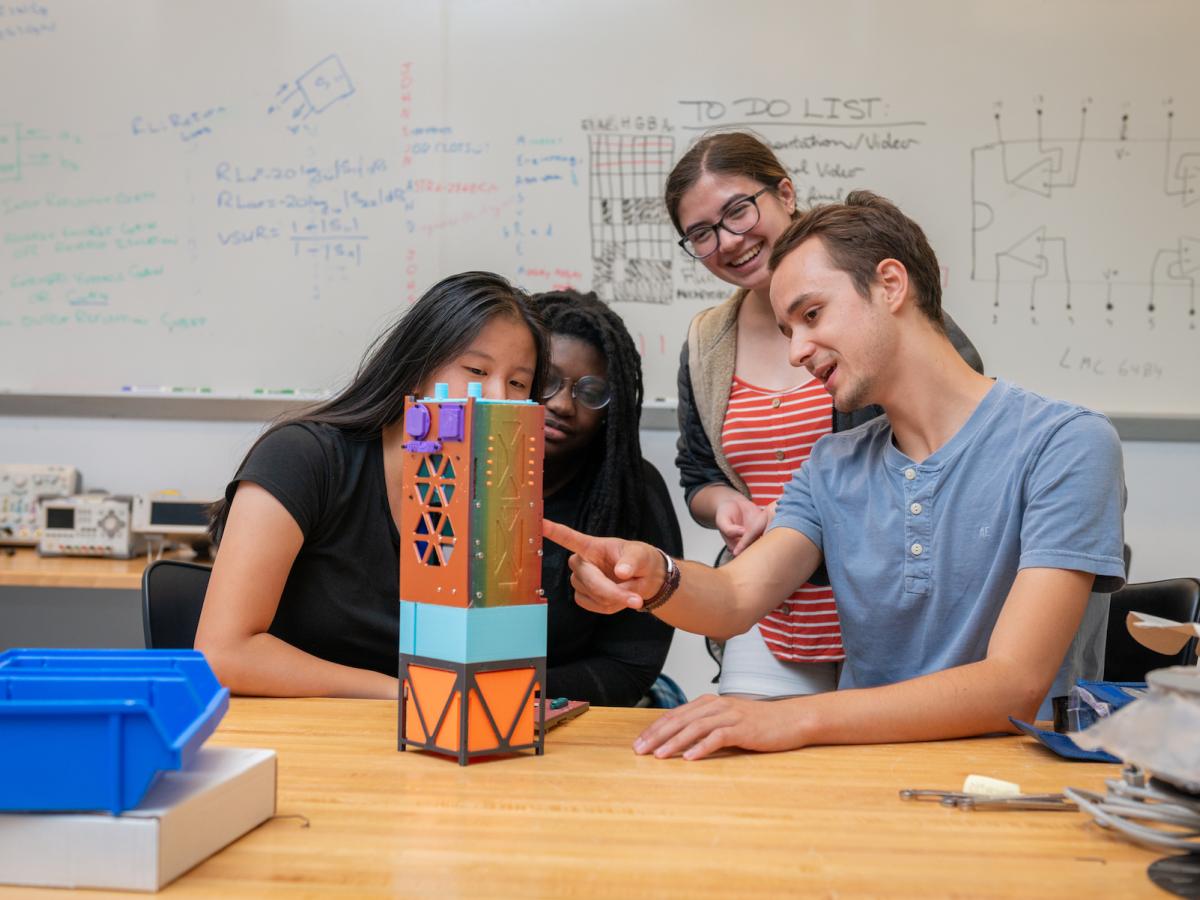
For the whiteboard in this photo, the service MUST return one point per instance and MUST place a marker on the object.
(236, 197)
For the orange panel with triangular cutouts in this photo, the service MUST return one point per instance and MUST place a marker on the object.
(432, 690)
(510, 701)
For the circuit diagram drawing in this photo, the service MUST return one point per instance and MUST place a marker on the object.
(312, 93)
(1095, 220)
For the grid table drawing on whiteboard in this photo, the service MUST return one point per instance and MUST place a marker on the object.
(633, 243)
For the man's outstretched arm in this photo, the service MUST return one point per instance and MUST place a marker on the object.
(610, 574)
(1040, 616)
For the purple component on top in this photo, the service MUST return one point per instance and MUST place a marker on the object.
(450, 422)
(416, 421)
(423, 446)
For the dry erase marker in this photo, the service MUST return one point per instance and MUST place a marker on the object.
(145, 389)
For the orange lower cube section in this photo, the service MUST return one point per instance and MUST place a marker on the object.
(510, 701)
(501, 705)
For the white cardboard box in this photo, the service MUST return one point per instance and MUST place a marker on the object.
(185, 817)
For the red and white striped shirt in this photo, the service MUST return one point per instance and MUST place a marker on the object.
(766, 436)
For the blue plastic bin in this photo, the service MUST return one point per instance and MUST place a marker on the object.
(91, 729)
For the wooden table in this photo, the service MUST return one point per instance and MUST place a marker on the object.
(592, 819)
(25, 568)
(70, 601)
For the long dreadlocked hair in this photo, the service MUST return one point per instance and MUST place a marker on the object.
(614, 504)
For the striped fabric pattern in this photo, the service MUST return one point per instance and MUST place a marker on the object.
(766, 436)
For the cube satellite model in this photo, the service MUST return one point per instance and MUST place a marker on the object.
(472, 659)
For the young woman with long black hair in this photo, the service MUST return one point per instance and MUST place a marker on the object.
(303, 599)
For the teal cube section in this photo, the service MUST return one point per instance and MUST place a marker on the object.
(472, 635)
(408, 626)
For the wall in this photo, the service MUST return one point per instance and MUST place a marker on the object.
(278, 178)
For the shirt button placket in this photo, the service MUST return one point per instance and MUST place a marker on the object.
(917, 525)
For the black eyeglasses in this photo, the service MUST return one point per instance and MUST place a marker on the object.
(743, 215)
(592, 391)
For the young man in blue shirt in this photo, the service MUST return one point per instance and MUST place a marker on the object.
(963, 532)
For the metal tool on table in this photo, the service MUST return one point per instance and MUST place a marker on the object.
(962, 800)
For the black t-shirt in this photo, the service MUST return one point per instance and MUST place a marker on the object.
(341, 599)
(609, 660)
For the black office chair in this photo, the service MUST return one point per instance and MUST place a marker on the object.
(1176, 598)
(172, 597)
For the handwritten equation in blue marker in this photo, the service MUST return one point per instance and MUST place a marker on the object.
(313, 174)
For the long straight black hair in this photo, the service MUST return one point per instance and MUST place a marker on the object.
(434, 330)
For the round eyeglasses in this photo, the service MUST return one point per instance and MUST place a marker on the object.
(740, 217)
(592, 391)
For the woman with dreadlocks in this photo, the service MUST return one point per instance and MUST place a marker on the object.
(596, 481)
